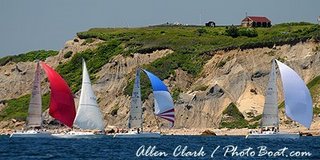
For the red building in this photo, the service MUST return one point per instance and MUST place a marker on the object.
(254, 21)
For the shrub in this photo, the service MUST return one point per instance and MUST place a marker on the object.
(201, 31)
(248, 32)
(68, 54)
(316, 110)
(200, 88)
(232, 31)
(114, 111)
(175, 93)
(254, 125)
(233, 118)
(88, 41)
(221, 63)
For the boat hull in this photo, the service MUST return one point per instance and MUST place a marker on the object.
(31, 134)
(274, 135)
(138, 135)
(77, 135)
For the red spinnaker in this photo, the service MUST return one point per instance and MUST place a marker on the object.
(62, 105)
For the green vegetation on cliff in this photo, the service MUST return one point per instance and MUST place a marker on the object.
(30, 56)
(95, 59)
(18, 108)
(193, 46)
(233, 118)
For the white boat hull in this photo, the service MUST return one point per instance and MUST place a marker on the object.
(31, 134)
(77, 135)
(274, 135)
(138, 135)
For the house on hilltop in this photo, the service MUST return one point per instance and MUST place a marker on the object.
(210, 24)
(254, 21)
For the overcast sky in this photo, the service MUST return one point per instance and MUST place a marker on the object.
(27, 25)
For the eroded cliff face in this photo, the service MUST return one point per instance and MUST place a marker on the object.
(243, 77)
(235, 76)
(16, 78)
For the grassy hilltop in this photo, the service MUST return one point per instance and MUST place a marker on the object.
(193, 46)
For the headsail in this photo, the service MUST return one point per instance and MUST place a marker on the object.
(89, 115)
(35, 106)
(298, 102)
(163, 102)
(135, 117)
(61, 99)
(270, 111)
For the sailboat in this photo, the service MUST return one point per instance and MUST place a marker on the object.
(89, 116)
(34, 119)
(163, 104)
(61, 104)
(298, 103)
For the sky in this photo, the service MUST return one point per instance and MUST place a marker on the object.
(27, 25)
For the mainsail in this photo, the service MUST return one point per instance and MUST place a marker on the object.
(61, 99)
(298, 102)
(34, 112)
(163, 102)
(88, 115)
(270, 111)
(135, 116)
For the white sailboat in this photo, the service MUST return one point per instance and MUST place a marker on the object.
(89, 118)
(298, 104)
(34, 119)
(163, 104)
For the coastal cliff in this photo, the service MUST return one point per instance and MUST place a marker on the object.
(218, 76)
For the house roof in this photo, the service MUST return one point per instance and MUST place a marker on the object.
(257, 19)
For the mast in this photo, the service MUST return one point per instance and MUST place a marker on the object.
(35, 106)
(270, 117)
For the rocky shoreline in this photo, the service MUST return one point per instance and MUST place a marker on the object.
(200, 132)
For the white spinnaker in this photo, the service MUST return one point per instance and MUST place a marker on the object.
(135, 116)
(35, 106)
(163, 102)
(270, 115)
(298, 101)
(88, 115)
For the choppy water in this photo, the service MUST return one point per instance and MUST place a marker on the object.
(168, 146)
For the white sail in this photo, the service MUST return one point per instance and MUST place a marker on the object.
(270, 111)
(34, 112)
(88, 115)
(298, 102)
(135, 117)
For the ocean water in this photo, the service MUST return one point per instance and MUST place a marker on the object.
(166, 147)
